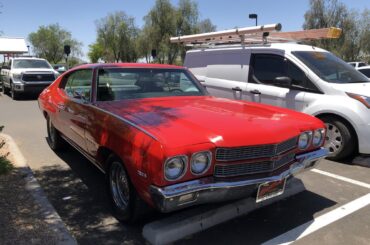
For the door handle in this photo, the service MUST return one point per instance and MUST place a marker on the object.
(236, 89)
(255, 91)
(61, 106)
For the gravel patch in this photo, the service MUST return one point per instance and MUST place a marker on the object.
(21, 218)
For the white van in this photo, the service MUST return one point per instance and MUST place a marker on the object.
(299, 77)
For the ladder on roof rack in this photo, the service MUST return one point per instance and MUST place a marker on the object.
(256, 35)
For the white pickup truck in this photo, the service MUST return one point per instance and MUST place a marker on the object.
(26, 75)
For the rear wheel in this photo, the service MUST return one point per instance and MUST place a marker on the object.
(56, 142)
(127, 205)
(340, 138)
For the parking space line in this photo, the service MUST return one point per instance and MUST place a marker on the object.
(355, 182)
(321, 221)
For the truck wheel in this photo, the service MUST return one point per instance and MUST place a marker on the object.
(15, 95)
(127, 205)
(55, 141)
(5, 89)
(340, 139)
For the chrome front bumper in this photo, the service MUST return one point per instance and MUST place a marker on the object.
(209, 190)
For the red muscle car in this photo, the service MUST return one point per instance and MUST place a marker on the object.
(165, 143)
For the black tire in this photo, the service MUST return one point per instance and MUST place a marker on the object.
(340, 139)
(15, 95)
(55, 141)
(5, 89)
(126, 203)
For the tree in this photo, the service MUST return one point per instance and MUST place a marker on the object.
(206, 26)
(160, 24)
(327, 13)
(117, 34)
(96, 52)
(48, 42)
(165, 20)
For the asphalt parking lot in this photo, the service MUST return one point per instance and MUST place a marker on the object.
(334, 209)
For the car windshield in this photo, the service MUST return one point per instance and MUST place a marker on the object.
(31, 64)
(132, 83)
(330, 68)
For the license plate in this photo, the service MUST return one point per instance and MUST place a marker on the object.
(270, 189)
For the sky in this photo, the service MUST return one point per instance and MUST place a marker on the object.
(18, 18)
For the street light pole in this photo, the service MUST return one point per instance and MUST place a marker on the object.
(253, 16)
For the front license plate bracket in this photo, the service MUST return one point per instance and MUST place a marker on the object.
(270, 189)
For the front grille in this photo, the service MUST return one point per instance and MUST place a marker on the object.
(251, 152)
(38, 77)
(231, 170)
(286, 145)
(284, 160)
(241, 169)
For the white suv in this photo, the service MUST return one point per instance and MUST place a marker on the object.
(26, 75)
(299, 77)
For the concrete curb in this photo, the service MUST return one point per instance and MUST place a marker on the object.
(189, 222)
(51, 217)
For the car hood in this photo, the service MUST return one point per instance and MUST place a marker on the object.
(356, 88)
(32, 70)
(181, 121)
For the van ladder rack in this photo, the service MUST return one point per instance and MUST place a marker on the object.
(256, 35)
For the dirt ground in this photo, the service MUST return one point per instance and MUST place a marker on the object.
(21, 219)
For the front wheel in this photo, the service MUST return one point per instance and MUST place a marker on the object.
(127, 205)
(340, 139)
(15, 95)
(5, 89)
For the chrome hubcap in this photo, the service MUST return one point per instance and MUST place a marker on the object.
(119, 185)
(334, 139)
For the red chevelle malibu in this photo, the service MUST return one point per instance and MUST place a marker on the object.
(164, 142)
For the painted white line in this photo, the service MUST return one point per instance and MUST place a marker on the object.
(355, 182)
(319, 222)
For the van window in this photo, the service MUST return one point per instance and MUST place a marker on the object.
(266, 67)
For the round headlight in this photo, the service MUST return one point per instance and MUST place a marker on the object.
(175, 167)
(318, 137)
(200, 162)
(304, 140)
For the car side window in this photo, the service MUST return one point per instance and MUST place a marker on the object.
(78, 85)
(266, 68)
(361, 65)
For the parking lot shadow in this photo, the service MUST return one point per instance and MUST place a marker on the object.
(266, 223)
(25, 97)
(80, 197)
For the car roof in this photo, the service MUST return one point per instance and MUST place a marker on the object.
(286, 47)
(127, 65)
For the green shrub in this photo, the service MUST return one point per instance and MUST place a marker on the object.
(5, 165)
